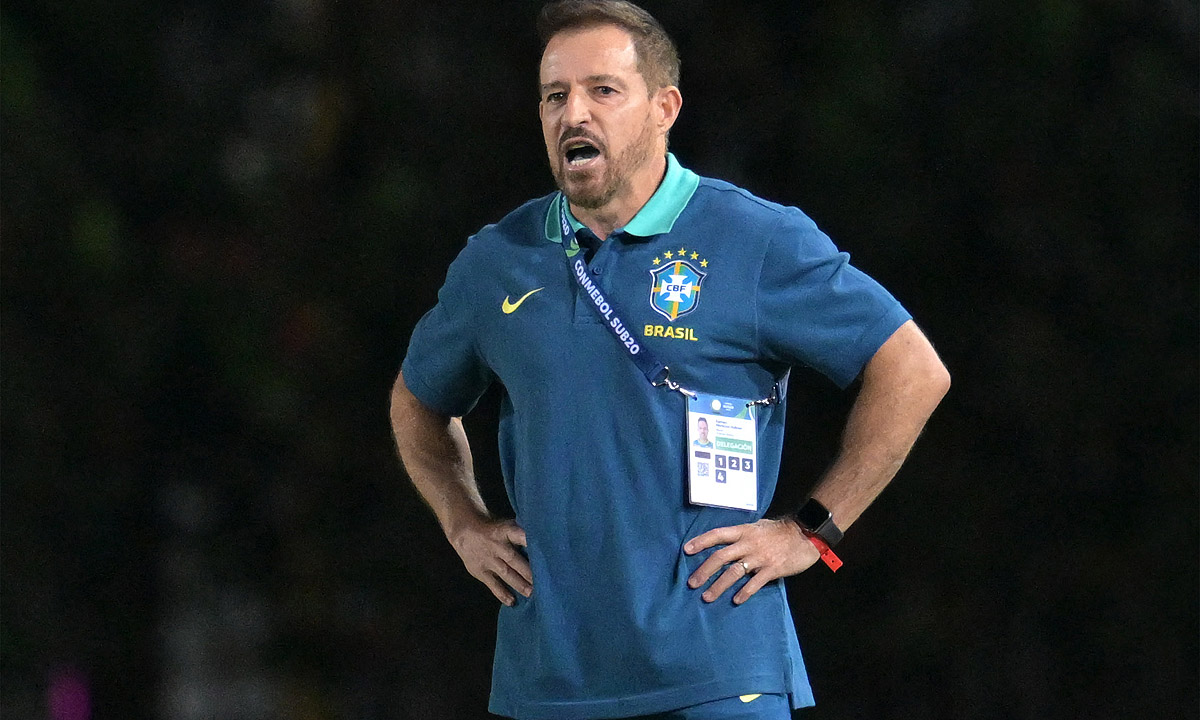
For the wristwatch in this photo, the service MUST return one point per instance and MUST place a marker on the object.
(817, 520)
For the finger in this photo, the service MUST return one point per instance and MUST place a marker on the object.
(756, 582)
(508, 554)
(513, 569)
(711, 565)
(516, 572)
(516, 535)
(716, 536)
(515, 581)
(523, 570)
(731, 575)
(498, 589)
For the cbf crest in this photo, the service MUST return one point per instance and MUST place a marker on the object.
(675, 286)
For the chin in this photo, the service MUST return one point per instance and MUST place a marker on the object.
(584, 192)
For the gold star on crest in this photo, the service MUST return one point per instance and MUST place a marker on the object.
(704, 263)
(695, 255)
(682, 252)
(668, 255)
(656, 261)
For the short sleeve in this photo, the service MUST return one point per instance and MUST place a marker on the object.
(443, 367)
(815, 308)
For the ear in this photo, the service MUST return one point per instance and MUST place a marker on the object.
(667, 101)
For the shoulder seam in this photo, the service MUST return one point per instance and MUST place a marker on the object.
(774, 207)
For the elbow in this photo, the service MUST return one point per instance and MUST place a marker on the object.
(927, 374)
(929, 371)
(933, 377)
(939, 379)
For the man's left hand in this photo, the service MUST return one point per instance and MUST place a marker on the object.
(766, 550)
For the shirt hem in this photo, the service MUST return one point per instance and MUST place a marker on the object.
(649, 703)
(873, 338)
(422, 391)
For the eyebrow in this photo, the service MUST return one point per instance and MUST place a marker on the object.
(590, 79)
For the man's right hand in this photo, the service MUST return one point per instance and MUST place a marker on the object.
(437, 457)
(488, 549)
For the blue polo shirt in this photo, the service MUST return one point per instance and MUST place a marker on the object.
(728, 290)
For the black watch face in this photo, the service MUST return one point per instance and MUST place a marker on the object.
(811, 515)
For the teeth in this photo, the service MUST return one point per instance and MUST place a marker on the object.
(580, 153)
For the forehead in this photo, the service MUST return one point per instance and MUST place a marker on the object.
(596, 50)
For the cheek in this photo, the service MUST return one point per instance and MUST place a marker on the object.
(549, 133)
(551, 147)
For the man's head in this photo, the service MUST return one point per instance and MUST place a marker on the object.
(608, 85)
(657, 57)
(702, 429)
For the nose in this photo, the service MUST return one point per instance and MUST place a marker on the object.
(576, 111)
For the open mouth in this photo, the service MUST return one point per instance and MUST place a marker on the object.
(581, 153)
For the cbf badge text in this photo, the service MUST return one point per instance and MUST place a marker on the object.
(675, 288)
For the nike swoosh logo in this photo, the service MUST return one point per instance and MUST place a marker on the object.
(509, 307)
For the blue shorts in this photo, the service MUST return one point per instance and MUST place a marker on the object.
(763, 707)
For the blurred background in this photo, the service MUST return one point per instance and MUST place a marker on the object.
(221, 220)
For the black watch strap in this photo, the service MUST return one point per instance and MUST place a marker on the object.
(816, 518)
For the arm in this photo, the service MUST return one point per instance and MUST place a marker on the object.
(901, 385)
(435, 453)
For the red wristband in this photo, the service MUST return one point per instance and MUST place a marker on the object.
(827, 556)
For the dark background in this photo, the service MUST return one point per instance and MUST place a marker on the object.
(222, 219)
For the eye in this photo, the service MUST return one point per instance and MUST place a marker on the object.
(605, 90)
(555, 97)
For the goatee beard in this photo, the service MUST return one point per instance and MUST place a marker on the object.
(617, 173)
(594, 199)
(592, 194)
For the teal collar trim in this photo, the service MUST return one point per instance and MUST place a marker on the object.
(656, 217)
(553, 229)
(659, 214)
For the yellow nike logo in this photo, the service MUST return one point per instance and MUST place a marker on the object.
(510, 307)
(749, 698)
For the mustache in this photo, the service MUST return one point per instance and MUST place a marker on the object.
(579, 133)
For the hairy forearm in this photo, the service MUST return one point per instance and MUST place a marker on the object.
(437, 457)
(435, 453)
(901, 386)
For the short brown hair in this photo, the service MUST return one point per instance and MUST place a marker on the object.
(658, 59)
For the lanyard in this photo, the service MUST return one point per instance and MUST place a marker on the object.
(656, 373)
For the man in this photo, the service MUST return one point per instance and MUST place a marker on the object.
(622, 598)
(702, 434)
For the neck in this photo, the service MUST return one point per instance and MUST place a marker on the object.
(621, 209)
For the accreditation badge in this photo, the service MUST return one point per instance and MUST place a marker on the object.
(722, 452)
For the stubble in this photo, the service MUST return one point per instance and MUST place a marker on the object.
(618, 173)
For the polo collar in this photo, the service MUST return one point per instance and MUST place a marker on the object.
(656, 217)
